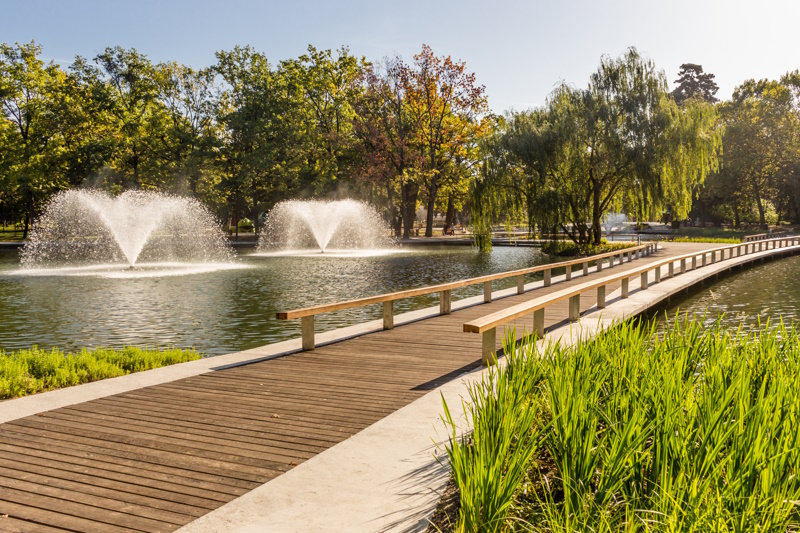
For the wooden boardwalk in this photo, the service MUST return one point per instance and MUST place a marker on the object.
(156, 458)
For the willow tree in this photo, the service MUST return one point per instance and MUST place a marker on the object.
(623, 135)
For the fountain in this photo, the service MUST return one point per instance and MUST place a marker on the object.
(339, 226)
(82, 231)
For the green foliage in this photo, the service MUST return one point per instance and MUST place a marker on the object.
(30, 371)
(489, 463)
(721, 233)
(571, 249)
(692, 83)
(688, 428)
(620, 143)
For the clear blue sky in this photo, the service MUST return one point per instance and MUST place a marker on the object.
(518, 49)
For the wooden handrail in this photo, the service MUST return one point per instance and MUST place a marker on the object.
(765, 236)
(487, 325)
(307, 313)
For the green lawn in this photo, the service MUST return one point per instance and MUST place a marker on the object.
(30, 371)
(690, 429)
(9, 234)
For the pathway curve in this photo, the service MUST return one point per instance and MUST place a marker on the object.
(157, 458)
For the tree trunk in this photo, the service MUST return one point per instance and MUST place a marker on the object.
(432, 192)
(255, 214)
(596, 214)
(28, 216)
(737, 221)
(408, 209)
(392, 210)
(451, 212)
(762, 219)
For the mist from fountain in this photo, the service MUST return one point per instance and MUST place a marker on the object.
(322, 226)
(80, 229)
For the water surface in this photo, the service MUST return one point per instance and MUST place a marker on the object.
(763, 291)
(220, 311)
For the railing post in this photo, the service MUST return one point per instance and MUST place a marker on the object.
(585, 268)
(671, 270)
(694, 262)
(307, 327)
(444, 303)
(658, 274)
(388, 315)
(547, 277)
(624, 288)
(644, 280)
(487, 292)
(683, 266)
(599, 264)
(601, 297)
(538, 323)
(520, 284)
(575, 308)
(704, 259)
(568, 273)
(713, 257)
(488, 348)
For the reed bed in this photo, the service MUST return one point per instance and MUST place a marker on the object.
(30, 371)
(683, 428)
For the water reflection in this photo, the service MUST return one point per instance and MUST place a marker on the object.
(768, 291)
(226, 310)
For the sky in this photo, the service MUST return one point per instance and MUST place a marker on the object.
(519, 50)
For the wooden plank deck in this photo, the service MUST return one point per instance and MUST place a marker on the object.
(156, 458)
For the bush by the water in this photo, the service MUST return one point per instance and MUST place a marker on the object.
(571, 249)
(687, 429)
(245, 224)
(30, 371)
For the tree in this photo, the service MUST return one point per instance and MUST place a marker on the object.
(386, 131)
(760, 125)
(186, 139)
(620, 139)
(694, 83)
(262, 125)
(448, 105)
(27, 91)
(129, 94)
(329, 84)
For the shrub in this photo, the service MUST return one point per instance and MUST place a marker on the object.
(30, 371)
(571, 249)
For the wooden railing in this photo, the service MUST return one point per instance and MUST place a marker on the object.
(766, 236)
(488, 324)
(307, 314)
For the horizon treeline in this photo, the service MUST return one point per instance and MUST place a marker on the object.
(246, 133)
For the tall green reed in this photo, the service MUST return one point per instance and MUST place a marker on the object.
(680, 428)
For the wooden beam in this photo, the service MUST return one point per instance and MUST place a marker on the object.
(307, 327)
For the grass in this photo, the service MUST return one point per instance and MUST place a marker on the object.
(30, 371)
(570, 249)
(716, 233)
(10, 235)
(683, 429)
